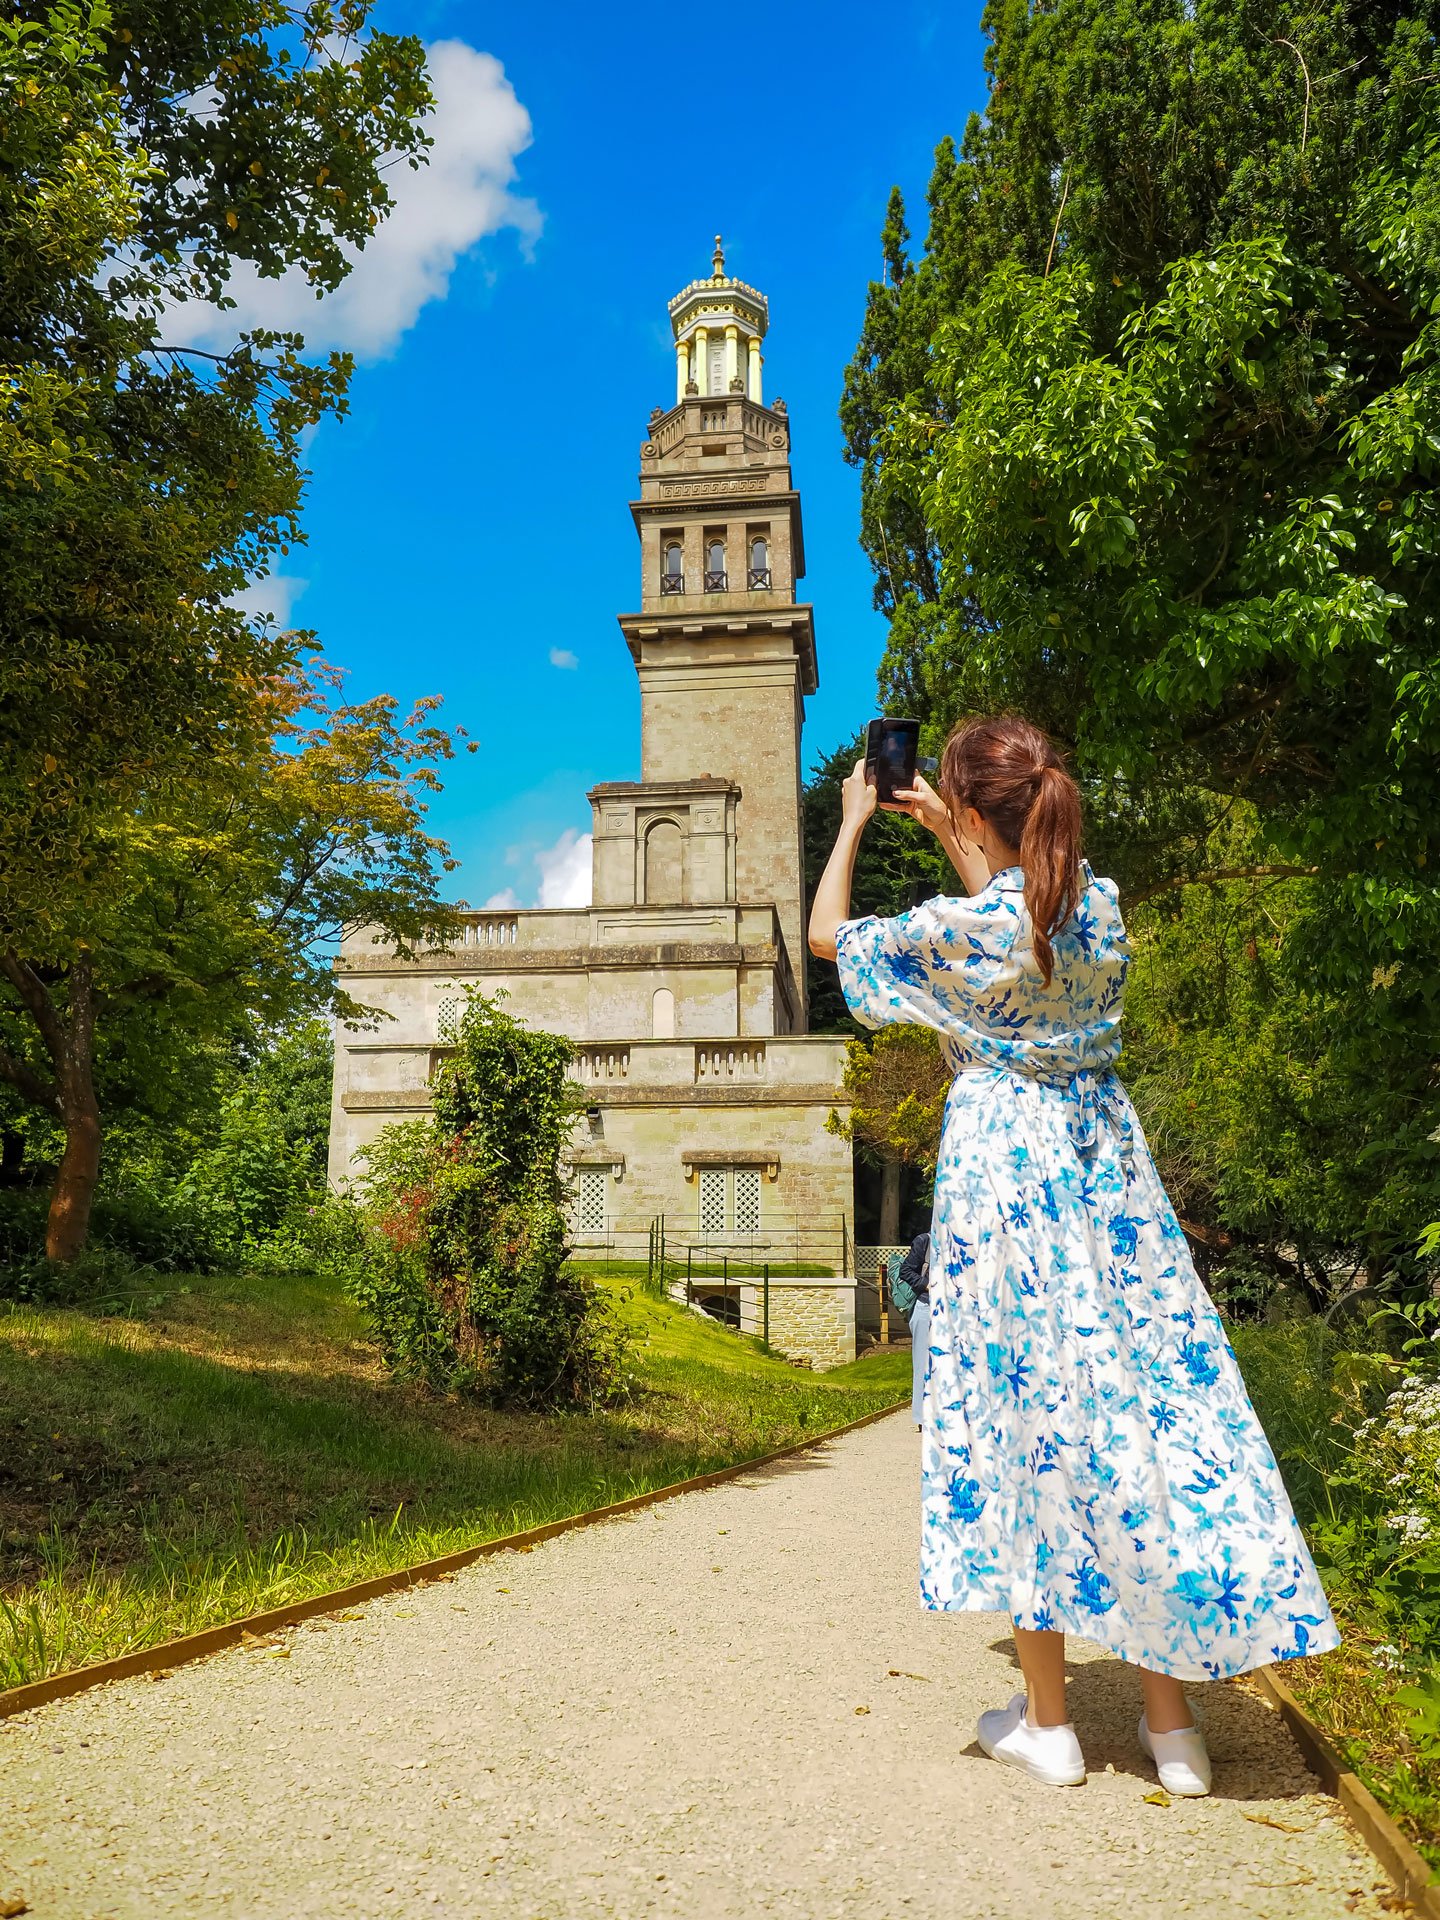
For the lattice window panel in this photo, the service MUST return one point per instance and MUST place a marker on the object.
(712, 1200)
(590, 1200)
(747, 1200)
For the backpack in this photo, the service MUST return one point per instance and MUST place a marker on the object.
(902, 1295)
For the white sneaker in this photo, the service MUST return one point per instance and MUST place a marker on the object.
(1180, 1759)
(1051, 1754)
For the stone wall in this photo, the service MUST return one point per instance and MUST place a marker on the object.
(813, 1322)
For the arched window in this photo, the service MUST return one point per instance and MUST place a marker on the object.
(662, 1014)
(759, 561)
(672, 578)
(715, 581)
(664, 865)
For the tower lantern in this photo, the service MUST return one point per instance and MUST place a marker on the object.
(724, 650)
(718, 325)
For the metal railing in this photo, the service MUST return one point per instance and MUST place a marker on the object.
(716, 580)
(661, 1249)
(759, 576)
(672, 583)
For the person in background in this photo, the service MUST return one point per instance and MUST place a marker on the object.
(1091, 1462)
(910, 1292)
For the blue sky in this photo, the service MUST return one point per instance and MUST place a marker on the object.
(468, 520)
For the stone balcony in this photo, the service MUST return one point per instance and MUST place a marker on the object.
(731, 932)
(778, 1071)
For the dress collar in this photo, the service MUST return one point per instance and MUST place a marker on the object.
(1012, 879)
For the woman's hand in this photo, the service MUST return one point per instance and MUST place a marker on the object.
(924, 805)
(857, 797)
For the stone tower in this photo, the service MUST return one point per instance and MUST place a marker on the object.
(682, 983)
(724, 652)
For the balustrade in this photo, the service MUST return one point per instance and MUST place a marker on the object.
(593, 1065)
(490, 930)
(732, 1060)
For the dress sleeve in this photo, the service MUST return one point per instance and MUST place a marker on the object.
(924, 967)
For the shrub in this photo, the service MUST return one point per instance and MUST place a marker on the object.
(456, 1249)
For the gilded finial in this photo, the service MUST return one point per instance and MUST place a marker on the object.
(717, 262)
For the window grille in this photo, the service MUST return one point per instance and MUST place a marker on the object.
(747, 1200)
(713, 1186)
(590, 1200)
(729, 1201)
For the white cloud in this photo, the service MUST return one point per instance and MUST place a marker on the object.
(565, 871)
(441, 210)
(562, 657)
(276, 596)
(506, 901)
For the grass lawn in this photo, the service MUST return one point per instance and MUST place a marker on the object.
(235, 1445)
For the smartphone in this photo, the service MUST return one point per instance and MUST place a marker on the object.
(890, 749)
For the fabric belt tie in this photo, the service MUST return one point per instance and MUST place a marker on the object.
(1093, 1100)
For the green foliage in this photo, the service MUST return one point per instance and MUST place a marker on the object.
(1355, 1424)
(175, 833)
(1257, 1086)
(457, 1252)
(896, 1082)
(1148, 436)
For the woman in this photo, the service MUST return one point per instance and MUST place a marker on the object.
(1092, 1463)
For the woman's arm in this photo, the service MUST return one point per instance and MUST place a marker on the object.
(831, 907)
(922, 803)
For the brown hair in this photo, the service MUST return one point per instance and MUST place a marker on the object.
(1010, 772)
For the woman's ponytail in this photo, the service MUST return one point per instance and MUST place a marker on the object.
(1050, 856)
(1009, 771)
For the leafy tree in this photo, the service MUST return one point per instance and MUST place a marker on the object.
(1148, 440)
(143, 159)
(897, 1085)
(293, 1072)
(1259, 1093)
(142, 484)
(220, 913)
(1175, 419)
(457, 1251)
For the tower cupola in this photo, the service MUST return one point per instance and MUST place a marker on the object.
(718, 325)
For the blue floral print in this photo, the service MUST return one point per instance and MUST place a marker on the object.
(1091, 1460)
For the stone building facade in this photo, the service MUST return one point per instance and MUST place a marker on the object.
(683, 982)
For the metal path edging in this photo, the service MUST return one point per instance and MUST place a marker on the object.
(168, 1654)
(1406, 1867)
(1404, 1864)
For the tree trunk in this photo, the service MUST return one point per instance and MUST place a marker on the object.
(73, 1195)
(67, 1029)
(890, 1171)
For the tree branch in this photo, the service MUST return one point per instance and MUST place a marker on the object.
(37, 1002)
(39, 1092)
(1221, 873)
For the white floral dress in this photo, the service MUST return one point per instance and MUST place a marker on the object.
(1091, 1460)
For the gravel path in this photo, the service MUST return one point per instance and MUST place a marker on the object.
(729, 1705)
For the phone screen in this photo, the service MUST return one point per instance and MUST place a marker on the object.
(890, 749)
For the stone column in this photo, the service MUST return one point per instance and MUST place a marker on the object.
(754, 381)
(682, 367)
(732, 355)
(702, 358)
